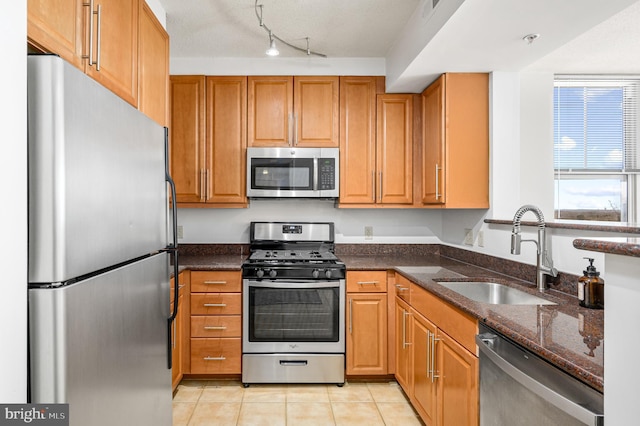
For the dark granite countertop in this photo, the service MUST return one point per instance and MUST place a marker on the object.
(565, 334)
(622, 246)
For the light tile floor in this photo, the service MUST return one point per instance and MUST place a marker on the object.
(227, 402)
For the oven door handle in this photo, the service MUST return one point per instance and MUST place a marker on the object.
(294, 284)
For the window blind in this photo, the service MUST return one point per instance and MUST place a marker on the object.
(595, 124)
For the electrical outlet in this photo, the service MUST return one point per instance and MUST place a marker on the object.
(180, 232)
(480, 238)
(468, 237)
(368, 232)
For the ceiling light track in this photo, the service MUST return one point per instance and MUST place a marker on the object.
(273, 51)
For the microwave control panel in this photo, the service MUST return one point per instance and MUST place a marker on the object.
(326, 173)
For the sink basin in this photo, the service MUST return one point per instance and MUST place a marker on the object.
(494, 293)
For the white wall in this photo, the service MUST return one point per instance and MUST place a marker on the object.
(232, 225)
(13, 174)
(622, 370)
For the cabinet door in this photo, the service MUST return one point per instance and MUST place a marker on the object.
(270, 111)
(424, 385)
(177, 344)
(116, 54)
(316, 111)
(187, 137)
(403, 345)
(433, 148)
(457, 384)
(467, 140)
(367, 334)
(226, 139)
(56, 26)
(395, 149)
(358, 139)
(153, 67)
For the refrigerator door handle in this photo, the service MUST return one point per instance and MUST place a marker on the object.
(173, 248)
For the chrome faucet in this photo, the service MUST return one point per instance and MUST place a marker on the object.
(544, 264)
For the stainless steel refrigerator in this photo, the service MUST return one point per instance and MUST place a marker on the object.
(99, 269)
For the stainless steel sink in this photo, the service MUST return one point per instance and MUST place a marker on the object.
(494, 293)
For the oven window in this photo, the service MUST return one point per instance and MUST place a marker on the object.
(281, 173)
(294, 314)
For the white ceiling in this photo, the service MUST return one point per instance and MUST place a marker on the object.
(576, 36)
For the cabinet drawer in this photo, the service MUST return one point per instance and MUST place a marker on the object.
(366, 281)
(216, 282)
(216, 304)
(216, 326)
(403, 288)
(460, 326)
(216, 356)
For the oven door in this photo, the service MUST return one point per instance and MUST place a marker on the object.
(282, 316)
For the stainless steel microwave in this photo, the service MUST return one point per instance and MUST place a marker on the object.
(293, 172)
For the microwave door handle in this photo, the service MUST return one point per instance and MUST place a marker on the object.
(315, 174)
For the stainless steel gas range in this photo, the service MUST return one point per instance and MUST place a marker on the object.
(293, 305)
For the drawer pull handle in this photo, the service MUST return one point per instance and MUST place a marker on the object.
(368, 282)
(215, 282)
(400, 288)
(214, 358)
(293, 363)
(215, 305)
(211, 327)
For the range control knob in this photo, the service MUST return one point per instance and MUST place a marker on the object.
(273, 273)
(327, 273)
(259, 273)
(315, 273)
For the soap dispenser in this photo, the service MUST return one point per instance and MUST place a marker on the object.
(591, 288)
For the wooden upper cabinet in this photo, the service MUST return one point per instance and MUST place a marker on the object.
(358, 138)
(316, 111)
(115, 61)
(270, 111)
(455, 151)
(187, 137)
(57, 26)
(208, 140)
(153, 67)
(70, 29)
(293, 111)
(226, 140)
(395, 149)
(433, 146)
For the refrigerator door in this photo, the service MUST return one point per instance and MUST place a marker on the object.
(97, 194)
(100, 346)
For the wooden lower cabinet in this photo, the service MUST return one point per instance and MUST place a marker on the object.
(424, 386)
(216, 322)
(439, 375)
(366, 334)
(180, 334)
(367, 349)
(404, 351)
(458, 383)
(216, 356)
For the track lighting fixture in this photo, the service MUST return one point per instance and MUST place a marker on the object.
(273, 50)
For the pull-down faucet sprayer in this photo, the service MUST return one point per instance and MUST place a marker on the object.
(544, 264)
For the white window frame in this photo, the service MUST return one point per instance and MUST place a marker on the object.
(631, 162)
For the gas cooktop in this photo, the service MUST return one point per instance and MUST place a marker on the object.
(300, 250)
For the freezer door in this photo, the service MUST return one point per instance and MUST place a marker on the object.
(100, 345)
(97, 194)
